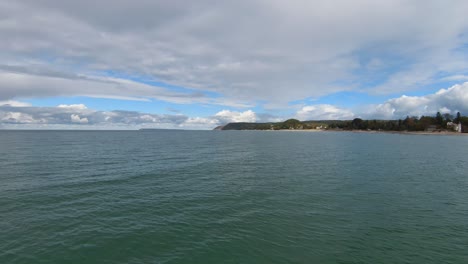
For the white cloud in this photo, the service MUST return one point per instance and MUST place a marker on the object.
(79, 116)
(18, 117)
(200, 123)
(13, 103)
(77, 119)
(73, 106)
(226, 116)
(450, 100)
(324, 112)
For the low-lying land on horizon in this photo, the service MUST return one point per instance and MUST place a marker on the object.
(442, 124)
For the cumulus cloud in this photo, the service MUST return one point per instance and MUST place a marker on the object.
(18, 117)
(226, 116)
(324, 112)
(81, 117)
(450, 100)
(246, 51)
(77, 119)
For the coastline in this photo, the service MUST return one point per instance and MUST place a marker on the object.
(441, 133)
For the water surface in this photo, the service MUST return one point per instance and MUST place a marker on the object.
(232, 197)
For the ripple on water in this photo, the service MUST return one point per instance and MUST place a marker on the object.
(239, 197)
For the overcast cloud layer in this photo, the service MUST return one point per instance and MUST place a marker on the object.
(247, 53)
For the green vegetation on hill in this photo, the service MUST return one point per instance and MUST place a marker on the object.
(288, 124)
(423, 123)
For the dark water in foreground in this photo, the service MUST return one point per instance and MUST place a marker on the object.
(232, 197)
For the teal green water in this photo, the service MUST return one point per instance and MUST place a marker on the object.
(232, 197)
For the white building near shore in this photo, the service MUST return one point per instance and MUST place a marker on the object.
(454, 126)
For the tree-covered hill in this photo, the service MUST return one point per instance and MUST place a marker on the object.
(424, 123)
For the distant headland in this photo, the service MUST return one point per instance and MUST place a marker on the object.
(440, 123)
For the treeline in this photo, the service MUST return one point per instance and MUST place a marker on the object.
(288, 124)
(423, 123)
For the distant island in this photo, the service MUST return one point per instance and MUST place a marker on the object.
(438, 123)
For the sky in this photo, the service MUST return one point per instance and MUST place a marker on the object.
(121, 64)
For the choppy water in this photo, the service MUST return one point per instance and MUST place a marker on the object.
(232, 197)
